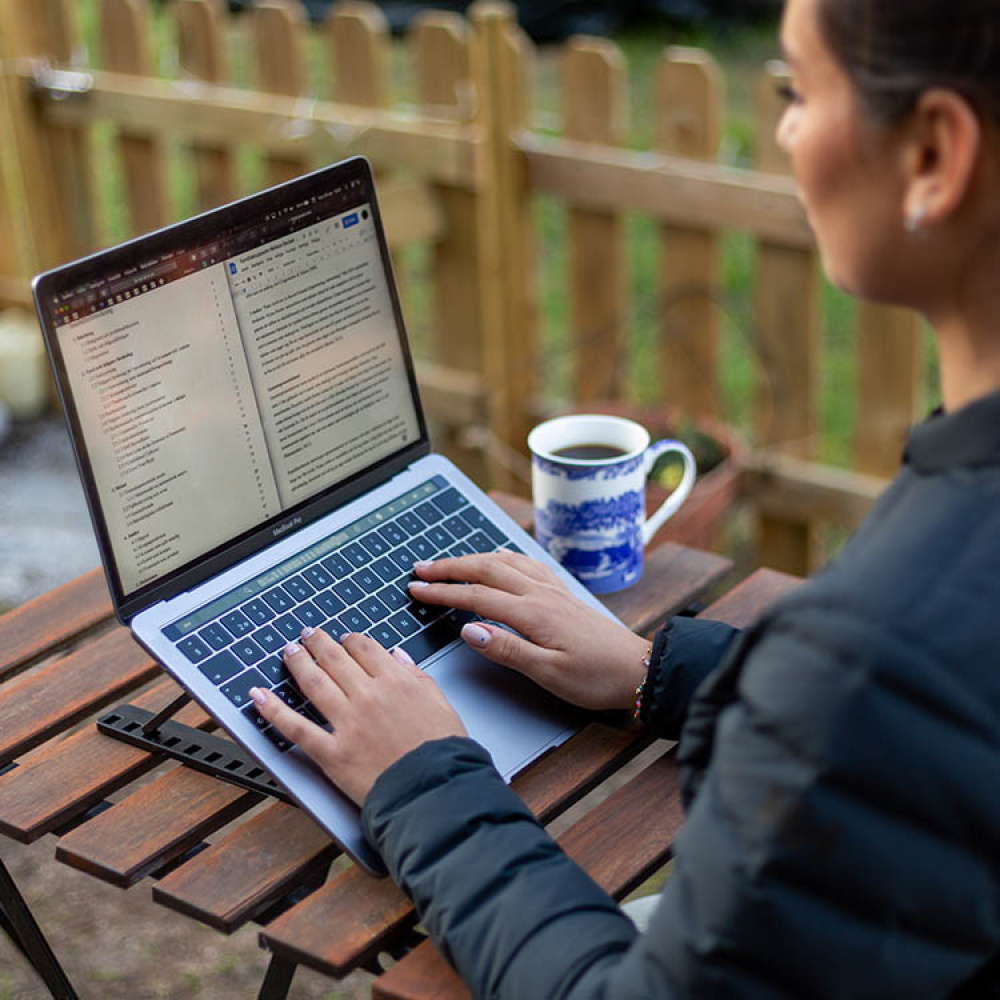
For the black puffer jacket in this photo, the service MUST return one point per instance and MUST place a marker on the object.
(843, 779)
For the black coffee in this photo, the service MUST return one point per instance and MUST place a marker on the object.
(589, 452)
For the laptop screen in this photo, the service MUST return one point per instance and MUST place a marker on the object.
(223, 373)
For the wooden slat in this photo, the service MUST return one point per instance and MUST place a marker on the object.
(619, 844)
(595, 96)
(278, 27)
(153, 825)
(786, 296)
(125, 39)
(358, 35)
(202, 50)
(52, 620)
(411, 213)
(690, 125)
(62, 779)
(325, 932)
(442, 151)
(666, 187)
(49, 699)
(621, 841)
(245, 872)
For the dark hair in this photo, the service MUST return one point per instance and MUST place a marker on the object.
(894, 50)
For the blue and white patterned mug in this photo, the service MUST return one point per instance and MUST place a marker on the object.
(588, 482)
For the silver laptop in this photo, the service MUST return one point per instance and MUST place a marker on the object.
(242, 402)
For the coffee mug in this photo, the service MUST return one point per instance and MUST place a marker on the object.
(588, 481)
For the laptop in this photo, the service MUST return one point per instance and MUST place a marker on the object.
(242, 402)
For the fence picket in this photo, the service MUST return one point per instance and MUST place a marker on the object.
(358, 36)
(279, 48)
(440, 45)
(690, 125)
(786, 296)
(125, 38)
(889, 369)
(595, 98)
(201, 42)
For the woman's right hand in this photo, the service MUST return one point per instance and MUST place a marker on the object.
(565, 646)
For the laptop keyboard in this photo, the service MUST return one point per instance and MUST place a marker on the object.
(353, 581)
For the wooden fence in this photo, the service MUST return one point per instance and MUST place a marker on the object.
(461, 168)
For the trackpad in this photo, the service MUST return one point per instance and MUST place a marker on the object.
(511, 716)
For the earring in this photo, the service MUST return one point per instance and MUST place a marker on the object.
(915, 219)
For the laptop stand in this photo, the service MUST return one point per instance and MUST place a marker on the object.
(214, 755)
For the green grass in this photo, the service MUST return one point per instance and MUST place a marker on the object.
(741, 52)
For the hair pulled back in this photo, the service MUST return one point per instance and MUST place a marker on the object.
(895, 50)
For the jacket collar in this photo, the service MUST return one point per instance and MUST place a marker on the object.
(968, 437)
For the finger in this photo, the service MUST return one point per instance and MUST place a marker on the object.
(314, 681)
(503, 647)
(313, 739)
(475, 597)
(491, 569)
(371, 656)
(324, 653)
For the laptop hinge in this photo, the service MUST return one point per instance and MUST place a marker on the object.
(214, 755)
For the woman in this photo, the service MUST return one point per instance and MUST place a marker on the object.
(842, 760)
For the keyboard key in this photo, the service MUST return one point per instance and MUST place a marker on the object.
(394, 598)
(410, 523)
(329, 603)
(393, 534)
(356, 555)
(348, 591)
(438, 537)
(238, 689)
(423, 548)
(458, 526)
(352, 620)
(194, 648)
(269, 639)
(404, 558)
(429, 513)
(449, 501)
(425, 613)
(375, 544)
(215, 635)
(248, 651)
(274, 669)
(428, 642)
(277, 600)
(280, 742)
(404, 623)
(374, 608)
(367, 580)
(257, 611)
(512, 547)
(221, 667)
(289, 626)
(318, 577)
(386, 569)
(385, 634)
(338, 566)
(479, 520)
(461, 549)
(480, 542)
(298, 588)
(237, 624)
(255, 717)
(310, 615)
(290, 694)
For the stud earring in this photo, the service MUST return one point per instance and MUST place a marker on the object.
(915, 219)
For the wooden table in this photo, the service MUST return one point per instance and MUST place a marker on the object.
(63, 660)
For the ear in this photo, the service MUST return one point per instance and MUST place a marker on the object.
(944, 139)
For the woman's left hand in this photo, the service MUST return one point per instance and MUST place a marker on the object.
(380, 704)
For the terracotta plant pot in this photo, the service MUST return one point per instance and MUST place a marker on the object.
(720, 457)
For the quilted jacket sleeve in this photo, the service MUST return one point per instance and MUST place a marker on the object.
(821, 857)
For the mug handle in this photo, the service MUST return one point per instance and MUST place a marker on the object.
(669, 506)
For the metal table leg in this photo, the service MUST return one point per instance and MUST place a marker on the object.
(278, 979)
(20, 925)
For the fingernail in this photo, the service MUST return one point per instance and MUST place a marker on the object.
(343, 636)
(307, 631)
(417, 584)
(292, 648)
(476, 635)
(423, 564)
(258, 696)
(403, 656)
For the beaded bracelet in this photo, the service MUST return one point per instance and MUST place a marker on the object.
(641, 689)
